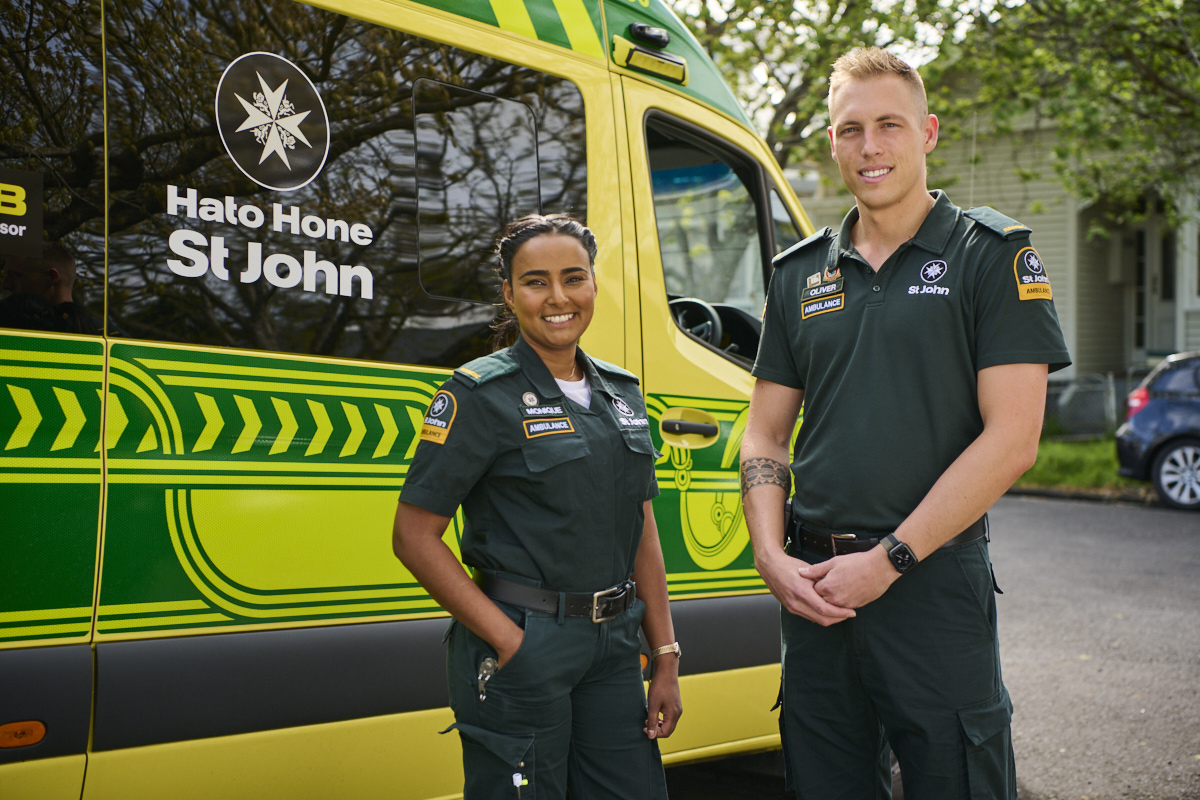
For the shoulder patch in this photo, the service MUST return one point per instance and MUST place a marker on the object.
(1030, 274)
(613, 369)
(482, 370)
(823, 235)
(996, 222)
(439, 417)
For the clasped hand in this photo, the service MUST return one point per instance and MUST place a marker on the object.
(851, 580)
(828, 593)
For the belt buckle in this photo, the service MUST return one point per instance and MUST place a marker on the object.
(834, 537)
(606, 594)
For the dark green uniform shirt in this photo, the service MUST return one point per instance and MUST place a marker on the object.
(888, 360)
(551, 491)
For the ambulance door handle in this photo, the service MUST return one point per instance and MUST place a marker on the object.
(689, 428)
(679, 426)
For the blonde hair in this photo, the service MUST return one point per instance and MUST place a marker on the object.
(874, 62)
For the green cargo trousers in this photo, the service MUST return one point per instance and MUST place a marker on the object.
(566, 711)
(918, 668)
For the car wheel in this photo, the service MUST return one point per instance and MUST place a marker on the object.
(1176, 474)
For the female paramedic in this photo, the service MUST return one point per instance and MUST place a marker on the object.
(548, 452)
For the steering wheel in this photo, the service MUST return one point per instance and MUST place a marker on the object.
(697, 318)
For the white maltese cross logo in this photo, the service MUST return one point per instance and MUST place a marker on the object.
(933, 271)
(274, 120)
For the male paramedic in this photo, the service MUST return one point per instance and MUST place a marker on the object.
(917, 340)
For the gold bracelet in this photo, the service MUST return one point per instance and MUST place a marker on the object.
(673, 647)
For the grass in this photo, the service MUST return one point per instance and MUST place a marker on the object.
(1088, 464)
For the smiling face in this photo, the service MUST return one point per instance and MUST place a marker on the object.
(880, 135)
(552, 291)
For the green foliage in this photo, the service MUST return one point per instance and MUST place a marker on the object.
(1120, 81)
(778, 55)
(1090, 464)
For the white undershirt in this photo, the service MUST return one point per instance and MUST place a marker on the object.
(580, 391)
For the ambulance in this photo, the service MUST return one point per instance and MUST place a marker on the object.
(243, 244)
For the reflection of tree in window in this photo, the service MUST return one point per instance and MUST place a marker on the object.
(161, 132)
(477, 166)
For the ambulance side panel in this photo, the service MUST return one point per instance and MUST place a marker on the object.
(280, 216)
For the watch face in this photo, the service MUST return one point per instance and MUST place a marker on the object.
(902, 558)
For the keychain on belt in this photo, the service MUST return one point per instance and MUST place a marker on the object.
(486, 670)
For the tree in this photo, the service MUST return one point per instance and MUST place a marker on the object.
(779, 54)
(1120, 81)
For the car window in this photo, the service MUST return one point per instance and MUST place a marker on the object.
(1184, 379)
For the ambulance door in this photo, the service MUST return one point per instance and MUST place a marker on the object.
(703, 194)
(52, 389)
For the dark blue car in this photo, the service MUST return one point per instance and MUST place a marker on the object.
(1160, 440)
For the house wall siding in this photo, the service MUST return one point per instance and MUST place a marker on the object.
(1192, 330)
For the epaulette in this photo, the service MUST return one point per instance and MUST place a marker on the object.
(823, 235)
(613, 369)
(486, 368)
(993, 220)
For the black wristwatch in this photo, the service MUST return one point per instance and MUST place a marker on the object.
(901, 556)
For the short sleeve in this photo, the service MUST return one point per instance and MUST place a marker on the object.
(775, 361)
(1015, 318)
(457, 446)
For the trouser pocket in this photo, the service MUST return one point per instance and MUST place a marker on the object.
(987, 737)
(496, 765)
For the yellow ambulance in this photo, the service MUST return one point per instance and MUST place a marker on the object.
(243, 243)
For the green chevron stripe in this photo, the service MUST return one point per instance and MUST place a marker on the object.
(213, 422)
(31, 418)
(287, 432)
(324, 428)
(75, 419)
(390, 431)
(358, 430)
(252, 424)
(417, 417)
(117, 421)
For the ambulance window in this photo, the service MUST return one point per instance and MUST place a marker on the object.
(786, 232)
(335, 204)
(51, 172)
(710, 236)
(477, 168)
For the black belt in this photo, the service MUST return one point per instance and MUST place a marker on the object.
(832, 544)
(598, 606)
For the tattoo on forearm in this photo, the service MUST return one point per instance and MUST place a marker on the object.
(765, 472)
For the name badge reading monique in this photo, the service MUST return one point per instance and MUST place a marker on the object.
(542, 411)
